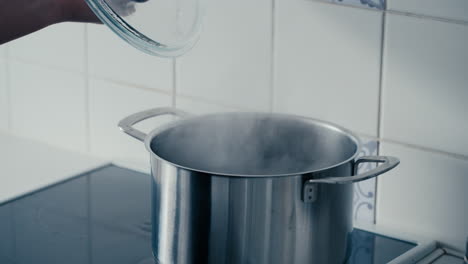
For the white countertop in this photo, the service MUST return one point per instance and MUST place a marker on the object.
(27, 165)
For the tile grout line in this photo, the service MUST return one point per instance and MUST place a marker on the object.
(348, 5)
(426, 149)
(91, 76)
(398, 12)
(461, 157)
(272, 54)
(427, 17)
(381, 76)
(171, 92)
(87, 92)
(380, 107)
(132, 85)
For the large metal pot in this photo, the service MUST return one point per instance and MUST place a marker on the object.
(251, 187)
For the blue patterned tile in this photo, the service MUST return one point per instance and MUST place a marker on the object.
(364, 192)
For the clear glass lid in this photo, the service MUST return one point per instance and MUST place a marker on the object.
(166, 28)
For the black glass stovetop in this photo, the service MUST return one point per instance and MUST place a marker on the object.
(103, 216)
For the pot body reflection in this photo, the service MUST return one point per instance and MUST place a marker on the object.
(204, 218)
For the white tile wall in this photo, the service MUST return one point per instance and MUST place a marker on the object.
(111, 102)
(3, 96)
(328, 63)
(425, 83)
(60, 45)
(112, 58)
(194, 106)
(231, 62)
(452, 9)
(48, 105)
(426, 194)
(3, 50)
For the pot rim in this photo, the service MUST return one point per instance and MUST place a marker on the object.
(329, 125)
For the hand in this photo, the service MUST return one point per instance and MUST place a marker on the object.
(75, 10)
(21, 17)
(78, 10)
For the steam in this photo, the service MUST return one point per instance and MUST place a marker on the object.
(249, 144)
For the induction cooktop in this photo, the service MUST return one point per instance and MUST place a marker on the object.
(103, 216)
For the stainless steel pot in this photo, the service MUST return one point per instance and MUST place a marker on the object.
(251, 187)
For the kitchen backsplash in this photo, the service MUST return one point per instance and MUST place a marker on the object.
(399, 78)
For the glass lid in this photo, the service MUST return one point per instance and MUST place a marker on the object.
(166, 28)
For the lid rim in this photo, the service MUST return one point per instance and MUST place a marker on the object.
(139, 40)
(329, 125)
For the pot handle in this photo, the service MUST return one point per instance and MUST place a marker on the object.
(388, 164)
(310, 186)
(126, 124)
